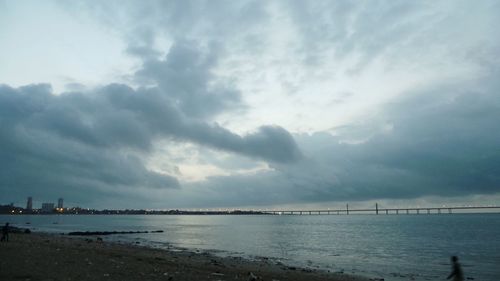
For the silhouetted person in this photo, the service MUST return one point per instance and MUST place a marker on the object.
(456, 270)
(5, 232)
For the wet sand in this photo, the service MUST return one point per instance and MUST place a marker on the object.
(44, 257)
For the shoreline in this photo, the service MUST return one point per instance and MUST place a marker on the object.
(46, 256)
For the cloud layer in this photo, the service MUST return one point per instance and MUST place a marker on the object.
(435, 142)
(244, 103)
(81, 143)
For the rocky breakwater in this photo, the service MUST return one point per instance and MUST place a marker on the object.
(100, 233)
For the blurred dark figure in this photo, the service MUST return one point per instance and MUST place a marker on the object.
(5, 232)
(456, 270)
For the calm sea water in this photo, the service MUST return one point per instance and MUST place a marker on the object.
(394, 247)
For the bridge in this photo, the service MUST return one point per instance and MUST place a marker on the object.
(387, 211)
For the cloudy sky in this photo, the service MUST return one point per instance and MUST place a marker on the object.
(250, 104)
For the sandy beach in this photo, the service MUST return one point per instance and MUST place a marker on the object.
(44, 257)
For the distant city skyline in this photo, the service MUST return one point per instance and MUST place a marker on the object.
(49, 208)
(249, 104)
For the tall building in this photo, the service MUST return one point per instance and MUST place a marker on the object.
(47, 207)
(29, 204)
(60, 203)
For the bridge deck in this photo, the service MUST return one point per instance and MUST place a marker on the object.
(347, 211)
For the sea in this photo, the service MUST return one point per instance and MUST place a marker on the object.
(392, 247)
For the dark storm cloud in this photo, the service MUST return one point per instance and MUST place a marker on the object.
(185, 74)
(77, 142)
(43, 158)
(440, 141)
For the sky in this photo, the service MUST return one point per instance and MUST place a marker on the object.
(250, 104)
